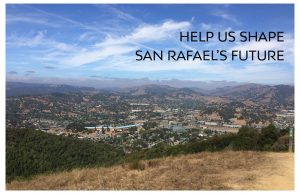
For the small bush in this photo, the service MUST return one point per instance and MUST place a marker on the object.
(267, 147)
(137, 165)
(153, 163)
(282, 144)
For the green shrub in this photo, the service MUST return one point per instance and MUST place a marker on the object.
(282, 144)
(136, 165)
(247, 139)
(153, 163)
(268, 136)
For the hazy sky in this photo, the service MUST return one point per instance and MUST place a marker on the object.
(99, 41)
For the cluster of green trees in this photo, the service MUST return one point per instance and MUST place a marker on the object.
(226, 112)
(268, 139)
(149, 124)
(76, 126)
(30, 152)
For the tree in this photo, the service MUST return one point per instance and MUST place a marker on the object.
(247, 139)
(268, 136)
(76, 126)
(148, 125)
(282, 144)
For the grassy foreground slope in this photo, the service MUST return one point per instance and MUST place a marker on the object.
(30, 152)
(206, 170)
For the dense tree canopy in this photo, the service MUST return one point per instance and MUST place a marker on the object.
(30, 152)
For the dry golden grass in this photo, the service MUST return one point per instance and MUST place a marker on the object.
(205, 171)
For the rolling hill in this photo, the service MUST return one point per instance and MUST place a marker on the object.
(277, 95)
(262, 94)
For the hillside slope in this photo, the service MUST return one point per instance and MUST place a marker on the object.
(263, 94)
(204, 171)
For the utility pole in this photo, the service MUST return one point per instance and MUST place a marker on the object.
(291, 134)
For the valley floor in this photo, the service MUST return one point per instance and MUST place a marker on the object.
(226, 170)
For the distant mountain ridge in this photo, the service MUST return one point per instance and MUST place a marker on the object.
(20, 88)
(159, 90)
(262, 94)
(121, 83)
